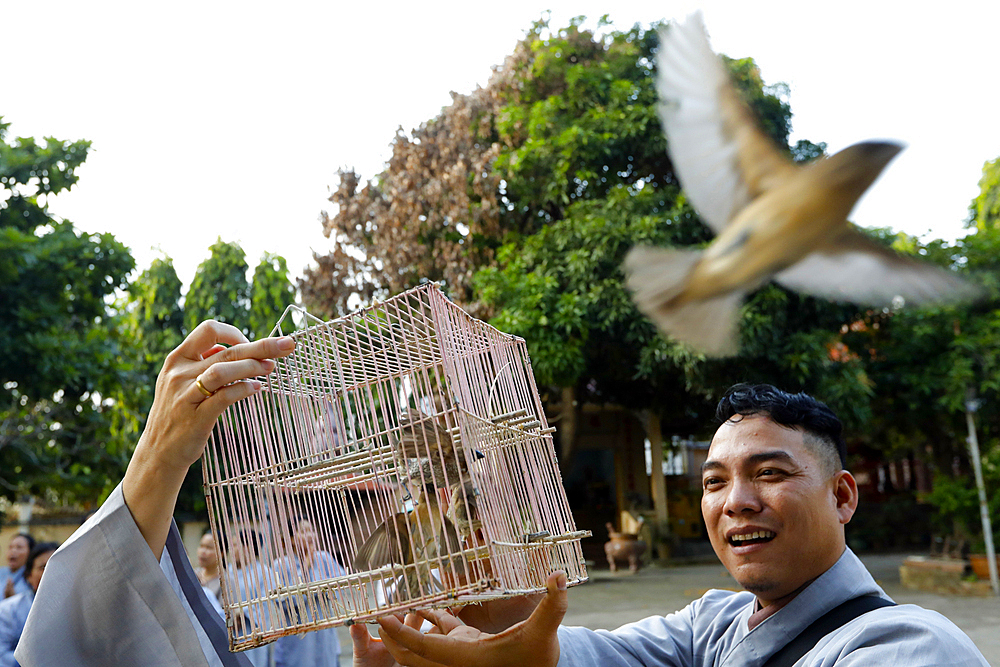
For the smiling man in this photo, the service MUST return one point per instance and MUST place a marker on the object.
(776, 494)
(776, 497)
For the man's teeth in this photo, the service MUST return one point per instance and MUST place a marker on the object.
(759, 535)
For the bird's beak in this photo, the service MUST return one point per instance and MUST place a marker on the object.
(476, 454)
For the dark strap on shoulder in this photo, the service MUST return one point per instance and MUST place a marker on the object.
(202, 608)
(824, 625)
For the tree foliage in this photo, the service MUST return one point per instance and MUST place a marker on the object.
(524, 197)
(220, 290)
(61, 359)
(433, 213)
(271, 292)
(984, 213)
(153, 322)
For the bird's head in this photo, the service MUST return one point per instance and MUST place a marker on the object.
(856, 167)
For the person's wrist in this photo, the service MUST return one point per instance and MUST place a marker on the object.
(157, 459)
(152, 473)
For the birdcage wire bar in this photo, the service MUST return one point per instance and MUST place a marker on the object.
(408, 425)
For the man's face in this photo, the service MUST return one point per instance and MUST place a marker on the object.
(35, 576)
(762, 479)
(17, 552)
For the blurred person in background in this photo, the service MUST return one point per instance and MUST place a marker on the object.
(319, 648)
(250, 579)
(12, 577)
(208, 564)
(14, 610)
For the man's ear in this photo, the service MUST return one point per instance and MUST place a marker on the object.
(845, 490)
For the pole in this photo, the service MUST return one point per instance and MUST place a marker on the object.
(971, 405)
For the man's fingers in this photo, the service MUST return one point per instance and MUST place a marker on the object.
(391, 630)
(360, 638)
(416, 649)
(442, 619)
(544, 621)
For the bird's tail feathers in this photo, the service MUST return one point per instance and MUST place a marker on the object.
(709, 325)
(656, 276)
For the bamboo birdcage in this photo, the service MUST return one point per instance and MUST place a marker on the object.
(406, 448)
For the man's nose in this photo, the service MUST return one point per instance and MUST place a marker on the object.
(742, 497)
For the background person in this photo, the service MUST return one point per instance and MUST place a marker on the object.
(14, 610)
(249, 578)
(208, 565)
(319, 648)
(12, 576)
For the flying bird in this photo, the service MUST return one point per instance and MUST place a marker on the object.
(774, 219)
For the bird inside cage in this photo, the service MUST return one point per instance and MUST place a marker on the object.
(408, 439)
(428, 536)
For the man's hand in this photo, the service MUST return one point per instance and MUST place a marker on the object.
(498, 615)
(531, 642)
(371, 652)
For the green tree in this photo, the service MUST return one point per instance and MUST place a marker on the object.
(271, 293)
(220, 290)
(925, 364)
(153, 317)
(524, 197)
(587, 176)
(62, 361)
(985, 209)
(153, 322)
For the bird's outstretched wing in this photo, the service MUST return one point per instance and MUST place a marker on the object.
(722, 157)
(854, 268)
(389, 544)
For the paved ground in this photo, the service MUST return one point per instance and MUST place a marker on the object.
(609, 600)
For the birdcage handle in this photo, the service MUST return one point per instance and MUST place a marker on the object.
(290, 308)
(493, 386)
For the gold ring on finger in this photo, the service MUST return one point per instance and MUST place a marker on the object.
(203, 389)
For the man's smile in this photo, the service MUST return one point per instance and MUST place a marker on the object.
(744, 537)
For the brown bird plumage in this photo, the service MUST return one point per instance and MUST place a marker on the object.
(774, 219)
(423, 538)
(427, 536)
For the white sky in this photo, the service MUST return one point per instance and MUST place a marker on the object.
(230, 119)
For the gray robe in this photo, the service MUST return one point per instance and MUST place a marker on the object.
(105, 600)
(713, 631)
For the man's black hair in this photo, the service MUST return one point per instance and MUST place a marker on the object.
(36, 551)
(792, 410)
